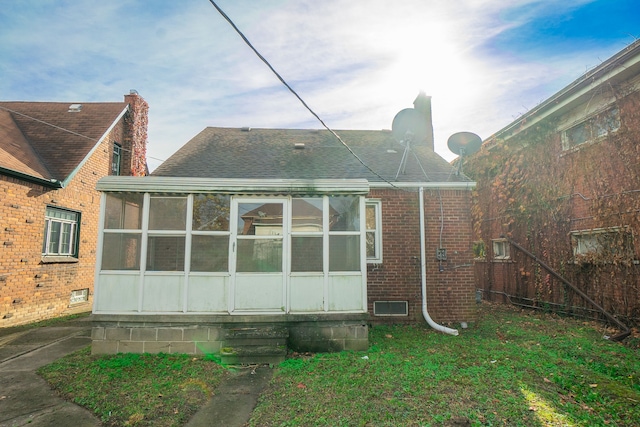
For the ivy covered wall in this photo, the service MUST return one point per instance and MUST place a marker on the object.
(567, 188)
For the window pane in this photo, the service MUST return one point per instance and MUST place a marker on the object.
(371, 244)
(306, 253)
(371, 217)
(211, 212)
(167, 213)
(260, 219)
(344, 253)
(259, 255)
(210, 253)
(344, 213)
(121, 251)
(54, 237)
(307, 214)
(123, 211)
(65, 238)
(165, 253)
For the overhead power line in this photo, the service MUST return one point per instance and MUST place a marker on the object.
(263, 59)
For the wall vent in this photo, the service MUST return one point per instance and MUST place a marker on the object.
(390, 308)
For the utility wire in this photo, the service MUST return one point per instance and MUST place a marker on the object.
(263, 59)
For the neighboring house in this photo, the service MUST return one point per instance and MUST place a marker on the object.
(283, 228)
(563, 181)
(52, 154)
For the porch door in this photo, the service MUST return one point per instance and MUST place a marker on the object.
(258, 260)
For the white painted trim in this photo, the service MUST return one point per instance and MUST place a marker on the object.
(162, 184)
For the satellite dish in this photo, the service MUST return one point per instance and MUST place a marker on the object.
(464, 143)
(409, 125)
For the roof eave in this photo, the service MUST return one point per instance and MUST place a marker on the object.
(611, 68)
(51, 183)
(166, 184)
(73, 173)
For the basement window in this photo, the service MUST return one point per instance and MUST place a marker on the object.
(591, 129)
(79, 296)
(603, 242)
(501, 249)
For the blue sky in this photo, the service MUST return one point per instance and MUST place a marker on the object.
(355, 62)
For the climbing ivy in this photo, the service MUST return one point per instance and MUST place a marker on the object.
(532, 190)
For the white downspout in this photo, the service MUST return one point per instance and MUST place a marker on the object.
(423, 271)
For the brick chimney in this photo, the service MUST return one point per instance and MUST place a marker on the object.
(423, 105)
(135, 143)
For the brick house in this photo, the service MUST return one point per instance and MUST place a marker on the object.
(52, 154)
(285, 229)
(563, 182)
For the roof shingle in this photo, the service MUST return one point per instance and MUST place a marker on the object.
(272, 154)
(45, 140)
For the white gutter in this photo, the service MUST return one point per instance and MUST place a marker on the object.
(423, 270)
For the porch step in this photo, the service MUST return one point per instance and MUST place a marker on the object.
(254, 345)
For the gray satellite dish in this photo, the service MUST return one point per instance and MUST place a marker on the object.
(464, 143)
(409, 125)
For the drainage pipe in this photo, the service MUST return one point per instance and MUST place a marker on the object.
(423, 271)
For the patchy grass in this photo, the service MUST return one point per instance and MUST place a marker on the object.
(136, 389)
(512, 368)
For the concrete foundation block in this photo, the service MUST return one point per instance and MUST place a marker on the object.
(157, 347)
(104, 347)
(170, 334)
(118, 334)
(130, 347)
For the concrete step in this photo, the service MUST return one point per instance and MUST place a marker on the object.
(249, 355)
(254, 345)
(249, 332)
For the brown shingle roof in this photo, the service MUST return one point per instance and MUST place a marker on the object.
(271, 154)
(45, 140)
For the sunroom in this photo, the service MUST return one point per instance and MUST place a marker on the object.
(197, 250)
(187, 247)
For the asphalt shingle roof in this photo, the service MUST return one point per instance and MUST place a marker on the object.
(272, 154)
(45, 140)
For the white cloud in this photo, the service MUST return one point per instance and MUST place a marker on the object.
(355, 62)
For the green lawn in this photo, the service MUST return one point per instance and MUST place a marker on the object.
(511, 368)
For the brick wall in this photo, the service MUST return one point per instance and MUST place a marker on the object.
(450, 292)
(30, 289)
(532, 190)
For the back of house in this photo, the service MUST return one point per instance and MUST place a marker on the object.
(294, 235)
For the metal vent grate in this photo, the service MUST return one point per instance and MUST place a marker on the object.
(391, 308)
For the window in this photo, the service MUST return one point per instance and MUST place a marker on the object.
(344, 233)
(210, 232)
(374, 231)
(79, 296)
(591, 129)
(605, 242)
(167, 233)
(122, 231)
(306, 234)
(116, 160)
(500, 249)
(60, 232)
